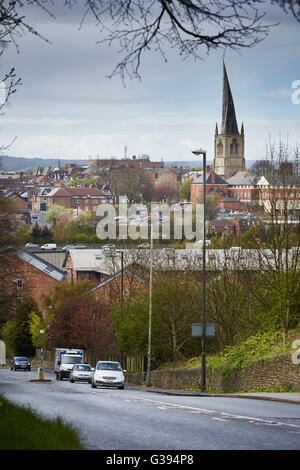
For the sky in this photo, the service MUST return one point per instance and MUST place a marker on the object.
(68, 108)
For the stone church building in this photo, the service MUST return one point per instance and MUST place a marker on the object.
(229, 149)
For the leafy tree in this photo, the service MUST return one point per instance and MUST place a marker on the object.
(9, 269)
(17, 331)
(133, 183)
(280, 264)
(74, 319)
(46, 234)
(53, 212)
(175, 304)
(83, 324)
(165, 189)
(36, 232)
(185, 190)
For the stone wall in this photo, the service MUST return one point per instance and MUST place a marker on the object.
(272, 372)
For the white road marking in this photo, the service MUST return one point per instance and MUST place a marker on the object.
(194, 409)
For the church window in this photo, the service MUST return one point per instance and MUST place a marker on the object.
(219, 148)
(234, 147)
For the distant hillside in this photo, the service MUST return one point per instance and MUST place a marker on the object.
(27, 164)
(198, 164)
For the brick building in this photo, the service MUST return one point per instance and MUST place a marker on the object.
(214, 185)
(83, 199)
(242, 186)
(30, 276)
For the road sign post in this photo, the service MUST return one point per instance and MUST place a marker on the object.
(197, 330)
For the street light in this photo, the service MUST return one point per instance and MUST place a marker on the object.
(122, 275)
(150, 311)
(203, 153)
(71, 303)
(42, 347)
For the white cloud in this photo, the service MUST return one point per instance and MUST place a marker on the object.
(67, 108)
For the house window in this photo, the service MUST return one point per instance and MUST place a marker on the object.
(85, 275)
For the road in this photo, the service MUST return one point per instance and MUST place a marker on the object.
(131, 419)
(40, 218)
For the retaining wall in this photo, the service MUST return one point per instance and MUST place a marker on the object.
(271, 372)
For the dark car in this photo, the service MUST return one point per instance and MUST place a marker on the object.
(20, 362)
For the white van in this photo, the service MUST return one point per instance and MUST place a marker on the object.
(49, 246)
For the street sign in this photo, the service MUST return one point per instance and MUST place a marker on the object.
(209, 330)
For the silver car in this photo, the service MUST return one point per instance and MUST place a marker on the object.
(81, 373)
(108, 374)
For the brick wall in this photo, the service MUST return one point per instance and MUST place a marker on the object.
(35, 282)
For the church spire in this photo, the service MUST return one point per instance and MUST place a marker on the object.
(229, 124)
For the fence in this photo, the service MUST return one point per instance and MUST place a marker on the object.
(129, 363)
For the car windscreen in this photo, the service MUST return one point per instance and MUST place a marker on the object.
(21, 359)
(71, 359)
(82, 367)
(109, 366)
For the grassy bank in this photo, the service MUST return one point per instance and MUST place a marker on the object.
(23, 429)
(263, 344)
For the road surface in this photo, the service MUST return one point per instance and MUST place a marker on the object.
(131, 419)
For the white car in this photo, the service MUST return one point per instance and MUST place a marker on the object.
(68, 247)
(108, 374)
(31, 245)
(49, 246)
(81, 373)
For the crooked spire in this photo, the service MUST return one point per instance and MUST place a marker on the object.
(229, 123)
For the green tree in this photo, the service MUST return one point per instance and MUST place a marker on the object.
(279, 265)
(17, 331)
(53, 212)
(185, 190)
(175, 305)
(46, 234)
(36, 232)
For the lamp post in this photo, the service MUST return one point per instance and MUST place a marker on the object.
(203, 384)
(150, 311)
(121, 252)
(71, 304)
(42, 347)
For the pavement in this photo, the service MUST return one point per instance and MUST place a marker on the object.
(287, 397)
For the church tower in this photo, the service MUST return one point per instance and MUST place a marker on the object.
(229, 154)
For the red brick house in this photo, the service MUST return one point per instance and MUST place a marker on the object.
(214, 185)
(110, 290)
(84, 199)
(173, 175)
(30, 276)
(225, 226)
